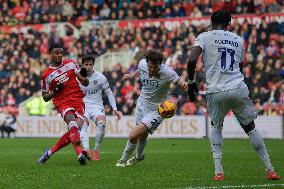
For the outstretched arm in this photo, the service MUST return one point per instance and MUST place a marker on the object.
(182, 84)
(131, 75)
(241, 65)
(112, 102)
(192, 89)
(111, 98)
(192, 60)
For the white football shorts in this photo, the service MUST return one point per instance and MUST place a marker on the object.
(92, 112)
(147, 113)
(236, 100)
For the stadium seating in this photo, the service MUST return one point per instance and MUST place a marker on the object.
(24, 55)
(33, 12)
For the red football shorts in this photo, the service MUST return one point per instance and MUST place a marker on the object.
(76, 105)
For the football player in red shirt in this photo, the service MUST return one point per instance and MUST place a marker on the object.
(59, 83)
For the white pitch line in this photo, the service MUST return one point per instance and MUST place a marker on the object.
(236, 186)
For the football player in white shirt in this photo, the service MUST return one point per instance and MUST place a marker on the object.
(156, 79)
(223, 55)
(94, 108)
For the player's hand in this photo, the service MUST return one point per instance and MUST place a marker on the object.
(192, 91)
(126, 76)
(118, 114)
(59, 87)
(185, 86)
(83, 72)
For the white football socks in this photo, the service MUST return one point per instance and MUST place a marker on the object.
(84, 135)
(100, 133)
(259, 146)
(216, 140)
(140, 149)
(129, 148)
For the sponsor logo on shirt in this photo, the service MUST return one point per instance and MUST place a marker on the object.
(62, 78)
(148, 82)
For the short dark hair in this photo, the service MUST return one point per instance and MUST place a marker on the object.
(54, 46)
(88, 57)
(155, 56)
(221, 17)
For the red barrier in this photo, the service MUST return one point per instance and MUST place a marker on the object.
(170, 22)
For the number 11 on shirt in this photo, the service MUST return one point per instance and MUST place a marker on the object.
(224, 52)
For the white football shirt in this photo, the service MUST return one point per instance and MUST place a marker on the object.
(222, 51)
(93, 92)
(155, 89)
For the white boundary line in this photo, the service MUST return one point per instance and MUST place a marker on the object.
(236, 186)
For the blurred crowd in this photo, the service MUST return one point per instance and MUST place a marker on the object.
(24, 56)
(34, 11)
(263, 70)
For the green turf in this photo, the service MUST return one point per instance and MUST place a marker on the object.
(169, 163)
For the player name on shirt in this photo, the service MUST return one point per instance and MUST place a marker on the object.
(232, 43)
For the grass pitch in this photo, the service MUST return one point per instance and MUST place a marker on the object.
(169, 163)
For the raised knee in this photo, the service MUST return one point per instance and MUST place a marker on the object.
(249, 127)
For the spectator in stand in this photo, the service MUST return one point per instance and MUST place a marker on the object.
(22, 55)
(9, 124)
(33, 12)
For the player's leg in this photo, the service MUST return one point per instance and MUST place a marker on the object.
(71, 136)
(70, 119)
(131, 143)
(259, 146)
(150, 121)
(245, 113)
(84, 135)
(69, 115)
(79, 107)
(142, 141)
(100, 133)
(134, 135)
(62, 142)
(78, 147)
(218, 109)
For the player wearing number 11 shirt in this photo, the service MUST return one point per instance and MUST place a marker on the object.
(223, 54)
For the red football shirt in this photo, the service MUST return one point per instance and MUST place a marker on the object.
(66, 74)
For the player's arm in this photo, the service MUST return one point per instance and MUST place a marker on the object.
(131, 75)
(82, 77)
(241, 66)
(47, 96)
(182, 84)
(176, 80)
(192, 89)
(192, 60)
(112, 102)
